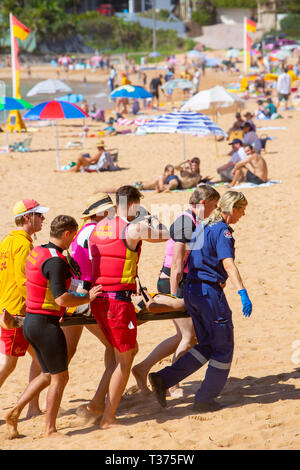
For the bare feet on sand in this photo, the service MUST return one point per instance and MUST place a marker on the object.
(109, 423)
(89, 415)
(140, 376)
(12, 424)
(54, 434)
(32, 412)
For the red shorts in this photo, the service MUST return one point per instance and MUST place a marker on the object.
(13, 343)
(117, 320)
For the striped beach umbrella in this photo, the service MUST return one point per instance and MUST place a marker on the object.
(54, 110)
(183, 122)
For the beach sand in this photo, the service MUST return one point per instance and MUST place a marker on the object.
(263, 389)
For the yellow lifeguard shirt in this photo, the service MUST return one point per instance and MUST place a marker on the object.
(293, 76)
(14, 249)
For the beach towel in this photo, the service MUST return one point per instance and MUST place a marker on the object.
(252, 185)
(271, 128)
(240, 186)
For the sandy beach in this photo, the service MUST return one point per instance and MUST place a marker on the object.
(263, 389)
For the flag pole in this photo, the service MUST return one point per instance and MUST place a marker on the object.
(245, 45)
(13, 65)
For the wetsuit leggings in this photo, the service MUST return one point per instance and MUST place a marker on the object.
(45, 335)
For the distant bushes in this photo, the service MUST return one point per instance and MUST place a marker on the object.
(291, 25)
(103, 32)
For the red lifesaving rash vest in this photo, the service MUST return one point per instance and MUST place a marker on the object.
(39, 295)
(114, 265)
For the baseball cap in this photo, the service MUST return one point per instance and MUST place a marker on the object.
(27, 206)
(236, 141)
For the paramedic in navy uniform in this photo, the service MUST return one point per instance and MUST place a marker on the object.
(211, 263)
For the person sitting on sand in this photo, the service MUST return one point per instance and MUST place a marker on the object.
(190, 173)
(252, 169)
(162, 183)
(85, 160)
(270, 110)
(237, 125)
(249, 118)
(165, 182)
(250, 137)
(225, 171)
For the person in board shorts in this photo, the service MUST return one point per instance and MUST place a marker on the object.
(14, 249)
(115, 247)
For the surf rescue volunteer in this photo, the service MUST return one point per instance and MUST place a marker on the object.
(115, 247)
(14, 249)
(48, 274)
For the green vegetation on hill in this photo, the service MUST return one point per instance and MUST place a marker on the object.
(291, 25)
(55, 20)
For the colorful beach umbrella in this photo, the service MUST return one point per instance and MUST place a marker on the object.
(130, 91)
(183, 122)
(9, 104)
(55, 110)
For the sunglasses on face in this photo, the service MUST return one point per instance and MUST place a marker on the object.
(38, 214)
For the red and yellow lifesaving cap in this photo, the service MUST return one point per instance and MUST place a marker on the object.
(27, 206)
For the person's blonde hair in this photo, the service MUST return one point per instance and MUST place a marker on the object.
(227, 202)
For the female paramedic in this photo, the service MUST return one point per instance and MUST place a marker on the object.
(211, 263)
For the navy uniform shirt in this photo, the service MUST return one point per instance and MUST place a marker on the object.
(213, 244)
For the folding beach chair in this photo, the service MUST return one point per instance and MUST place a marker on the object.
(22, 146)
(76, 143)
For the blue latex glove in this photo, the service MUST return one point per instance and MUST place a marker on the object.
(247, 305)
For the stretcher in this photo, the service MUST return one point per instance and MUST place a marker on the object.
(142, 316)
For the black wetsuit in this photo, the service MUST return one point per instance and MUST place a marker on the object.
(43, 331)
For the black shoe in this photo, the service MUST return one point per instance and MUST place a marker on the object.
(159, 388)
(206, 407)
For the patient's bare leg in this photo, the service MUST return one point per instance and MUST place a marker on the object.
(8, 321)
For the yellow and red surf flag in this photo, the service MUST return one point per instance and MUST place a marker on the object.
(249, 27)
(17, 31)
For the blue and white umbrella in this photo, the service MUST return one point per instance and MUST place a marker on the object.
(183, 122)
(130, 91)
